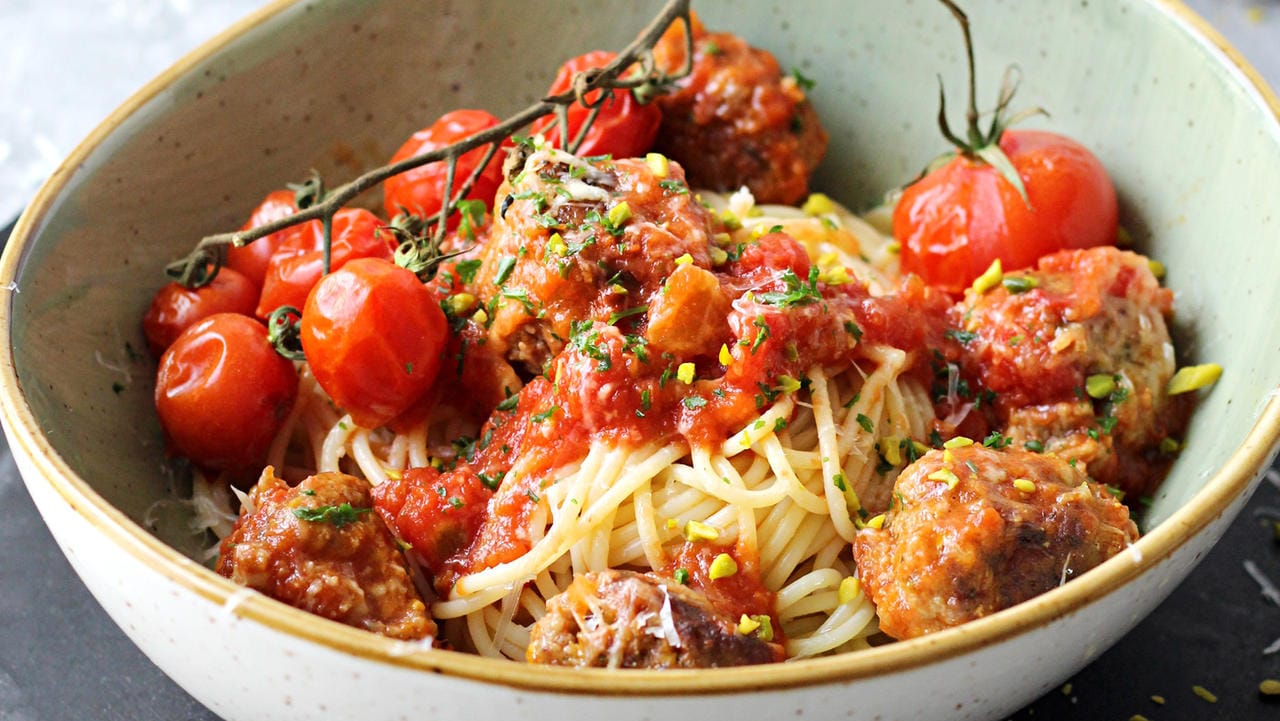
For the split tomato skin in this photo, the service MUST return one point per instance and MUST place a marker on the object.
(624, 128)
(222, 393)
(373, 336)
(251, 260)
(955, 221)
(420, 191)
(175, 308)
(298, 264)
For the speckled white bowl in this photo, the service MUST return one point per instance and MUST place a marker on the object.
(1187, 130)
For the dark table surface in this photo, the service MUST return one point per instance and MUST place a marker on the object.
(61, 656)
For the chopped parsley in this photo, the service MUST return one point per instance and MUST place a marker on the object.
(339, 516)
(504, 270)
(637, 310)
(960, 336)
(867, 424)
(798, 292)
(540, 417)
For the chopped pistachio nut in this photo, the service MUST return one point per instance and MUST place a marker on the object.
(730, 220)
(957, 442)
(685, 259)
(747, 625)
(658, 163)
(726, 358)
(1099, 385)
(818, 204)
(890, 450)
(990, 278)
(850, 587)
(1157, 268)
(722, 239)
(893, 247)
(672, 523)
(1191, 378)
(699, 531)
(876, 521)
(1025, 485)
(1269, 687)
(556, 244)
(460, 303)
(1169, 445)
(718, 256)
(787, 384)
(946, 475)
(684, 373)
(838, 275)
(619, 214)
(480, 317)
(1204, 693)
(723, 566)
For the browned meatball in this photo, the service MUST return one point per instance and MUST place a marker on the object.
(973, 531)
(319, 547)
(621, 619)
(736, 120)
(576, 239)
(1097, 312)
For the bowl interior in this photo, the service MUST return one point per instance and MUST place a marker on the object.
(1193, 150)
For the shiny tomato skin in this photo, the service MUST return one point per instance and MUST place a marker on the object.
(222, 393)
(624, 128)
(956, 220)
(175, 308)
(299, 262)
(373, 335)
(252, 259)
(420, 191)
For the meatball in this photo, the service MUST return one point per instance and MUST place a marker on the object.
(1036, 341)
(736, 121)
(319, 547)
(579, 239)
(974, 530)
(621, 619)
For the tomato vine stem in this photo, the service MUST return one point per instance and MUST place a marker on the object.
(201, 265)
(984, 146)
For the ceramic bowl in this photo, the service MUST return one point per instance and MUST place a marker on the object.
(1187, 130)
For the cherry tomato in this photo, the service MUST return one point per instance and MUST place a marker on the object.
(299, 262)
(252, 259)
(421, 191)
(175, 308)
(222, 393)
(373, 335)
(624, 128)
(956, 220)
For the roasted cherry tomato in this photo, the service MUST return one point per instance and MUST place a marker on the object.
(373, 335)
(222, 393)
(958, 219)
(252, 259)
(299, 262)
(624, 128)
(421, 191)
(175, 308)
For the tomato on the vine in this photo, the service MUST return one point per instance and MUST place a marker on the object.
(420, 191)
(252, 259)
(373, 336)
(222, 393)
(956, 220)
(175, 308)
(1007, 195)
(298, 264)
(624, 127)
